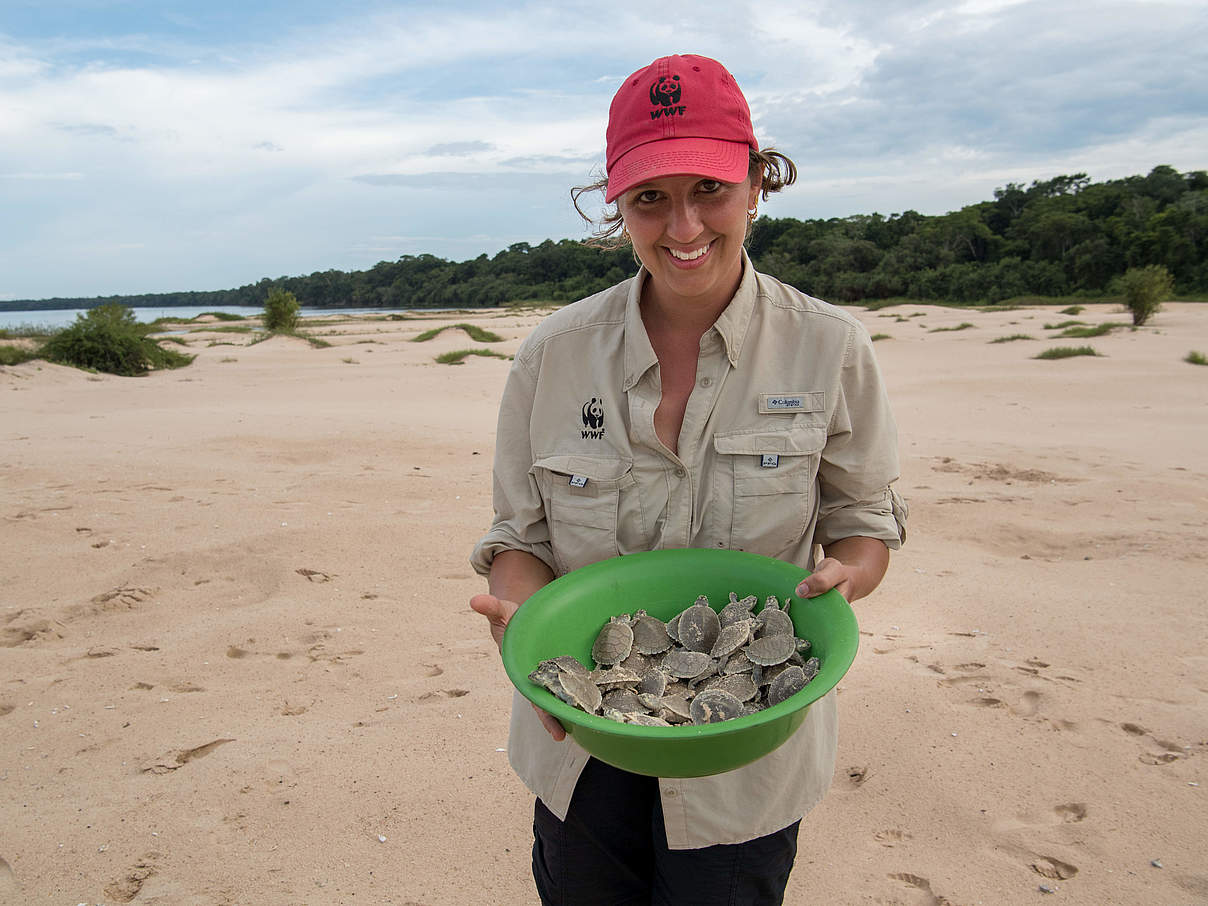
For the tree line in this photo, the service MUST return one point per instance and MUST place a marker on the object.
(1054, 237)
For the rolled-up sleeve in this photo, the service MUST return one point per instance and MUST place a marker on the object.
(520, 522)
(860, 459)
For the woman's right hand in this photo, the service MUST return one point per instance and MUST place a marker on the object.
(498, 611)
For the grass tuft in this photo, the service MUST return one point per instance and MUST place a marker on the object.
(964, 325)
(1066, 352)
(15, 355)
(1072, 310)
(222, 315)
(1063, 325)
(472, 330)
(458, 356)
(1095, 330)
(880, 336)
(1195, 358)
(1012, 338)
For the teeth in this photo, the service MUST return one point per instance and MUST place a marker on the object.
(688, 256)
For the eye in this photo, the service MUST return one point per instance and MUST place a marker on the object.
(709, 186)
(646, 196)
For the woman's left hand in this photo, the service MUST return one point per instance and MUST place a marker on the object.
(852, 566)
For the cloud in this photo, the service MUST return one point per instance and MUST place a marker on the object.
(459, 149)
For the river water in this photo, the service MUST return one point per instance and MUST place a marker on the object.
(61, 317)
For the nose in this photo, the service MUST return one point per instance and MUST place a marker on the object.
(684, 223)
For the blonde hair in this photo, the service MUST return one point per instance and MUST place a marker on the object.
(774, 170)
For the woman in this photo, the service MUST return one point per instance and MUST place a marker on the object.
(699, 404)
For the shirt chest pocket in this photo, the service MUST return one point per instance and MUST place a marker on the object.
(768, 477)
(586, 507)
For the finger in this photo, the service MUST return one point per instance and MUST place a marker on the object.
(551, 724)
(827, 574)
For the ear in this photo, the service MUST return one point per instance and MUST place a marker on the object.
(756, 183)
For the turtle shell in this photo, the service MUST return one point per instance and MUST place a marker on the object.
(614, 643)
(686, 664)
(650, 635)
(614, 678)
(740, 685)
(580, 692)
(771, 649)
(699, 627)
(713, 705)
(790, 681)
(731, 638)
(773, 622)
(625, 700)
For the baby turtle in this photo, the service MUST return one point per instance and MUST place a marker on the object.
(771, 649)
(731, 638)
(773, 622)
(580, 692)
(650, 634)
(790, 681)
(740, 685)
(699, 627)
(686, 664)
(614, 642)
(714, 705)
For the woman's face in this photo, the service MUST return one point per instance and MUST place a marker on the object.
(688, 232)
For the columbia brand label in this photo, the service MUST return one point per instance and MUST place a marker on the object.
(665, 94)
(593, 419)
(578, 481)
(804, 401)
(770, 460)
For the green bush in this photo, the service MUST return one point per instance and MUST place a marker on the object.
(1012, 338)
(1192, 358)
(1145, 289)
(108, 338)
(1065, 352)
(15, 355)
(458, 356)
(1072, 310)
(280, 310)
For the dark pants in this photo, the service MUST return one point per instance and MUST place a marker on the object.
(612, 851)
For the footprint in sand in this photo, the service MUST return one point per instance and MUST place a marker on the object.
(443, 693)
(928, 896)
(172, 761)
(891, 837)
(127, 887)
(854, 777)
(1054, 869)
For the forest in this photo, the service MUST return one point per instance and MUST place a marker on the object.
(1064, 236)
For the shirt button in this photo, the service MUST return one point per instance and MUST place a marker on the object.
(670, 794)
(706, 381)
(680, 473)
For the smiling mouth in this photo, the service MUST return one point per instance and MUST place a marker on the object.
(688, 256)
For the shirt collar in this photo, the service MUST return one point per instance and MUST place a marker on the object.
(731, 325)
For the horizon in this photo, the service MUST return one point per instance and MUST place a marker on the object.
(148, 150)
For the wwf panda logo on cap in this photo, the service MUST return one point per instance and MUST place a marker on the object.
(666, 91)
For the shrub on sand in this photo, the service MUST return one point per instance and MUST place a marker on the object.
(1012, 338)
(457, 356)
(880, 336)
(964, 325)
(280, 310)
(15, 355)
(472, 330)
(1072, 310)
(1097, 330)
(1145, 289)
(108, 338)
(1065, 352)
(1195, 358)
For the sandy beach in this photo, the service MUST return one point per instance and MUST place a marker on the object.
(238, 664)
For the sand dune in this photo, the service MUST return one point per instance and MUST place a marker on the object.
(239, 666)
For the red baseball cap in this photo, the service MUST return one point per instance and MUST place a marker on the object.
(680, 114)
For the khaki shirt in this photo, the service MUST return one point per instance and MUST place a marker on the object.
(787, 442)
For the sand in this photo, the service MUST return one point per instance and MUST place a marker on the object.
(239, 665)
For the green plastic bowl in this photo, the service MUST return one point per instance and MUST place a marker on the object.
(565, 617)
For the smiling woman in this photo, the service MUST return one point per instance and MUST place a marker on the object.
(698, 405)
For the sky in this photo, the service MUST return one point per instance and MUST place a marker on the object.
(168, 145)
